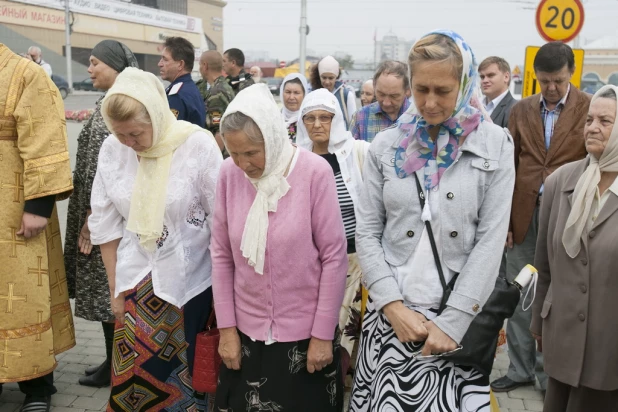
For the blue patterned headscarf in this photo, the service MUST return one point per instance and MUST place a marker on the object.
(417, 149)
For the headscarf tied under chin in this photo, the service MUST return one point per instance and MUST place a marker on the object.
(290, 116)
(258, 103)
(417, 149)
(586, 187)
(115, 54)
(150, 188)
(322, 99)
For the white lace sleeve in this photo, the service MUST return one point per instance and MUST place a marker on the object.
(105, 222)
(211, 161)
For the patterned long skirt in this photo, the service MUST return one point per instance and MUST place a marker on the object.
(389, 379)
(151, 369)
(274, 378)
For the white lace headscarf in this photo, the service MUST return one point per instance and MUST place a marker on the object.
(150, 187)
(290, 116)
(586, 187)
(258, 103)
(322, 99)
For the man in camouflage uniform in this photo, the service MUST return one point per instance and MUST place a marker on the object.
(219, 94)
(202, 86)
(234, 66)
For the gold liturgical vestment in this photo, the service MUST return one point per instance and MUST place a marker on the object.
(35, 316)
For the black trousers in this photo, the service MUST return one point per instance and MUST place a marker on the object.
(42, 386)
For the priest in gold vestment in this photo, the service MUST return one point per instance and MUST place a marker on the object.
(35, 317)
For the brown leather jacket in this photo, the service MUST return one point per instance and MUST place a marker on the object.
(533, 162)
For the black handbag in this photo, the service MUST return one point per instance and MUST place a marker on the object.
(478, 346)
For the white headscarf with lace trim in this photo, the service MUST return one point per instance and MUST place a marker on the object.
(258, 103)
(290, 116)
(322, 99)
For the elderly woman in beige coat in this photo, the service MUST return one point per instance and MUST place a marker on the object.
(574, 313)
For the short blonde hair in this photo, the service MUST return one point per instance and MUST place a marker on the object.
(121, 108)
(436, 48)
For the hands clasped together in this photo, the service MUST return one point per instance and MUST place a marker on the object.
(411, 326)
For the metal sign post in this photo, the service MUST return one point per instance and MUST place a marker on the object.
(67, 49)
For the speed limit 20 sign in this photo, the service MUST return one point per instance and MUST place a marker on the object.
(559, 20)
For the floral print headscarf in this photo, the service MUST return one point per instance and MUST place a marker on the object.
(417, 150)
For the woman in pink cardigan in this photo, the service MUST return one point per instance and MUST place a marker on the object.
(279, 266)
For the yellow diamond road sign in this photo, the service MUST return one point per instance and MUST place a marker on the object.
(531, 85)
(559, 20)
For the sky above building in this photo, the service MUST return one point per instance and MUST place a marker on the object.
(491, 27)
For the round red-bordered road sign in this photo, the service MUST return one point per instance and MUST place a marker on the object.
(559, 20)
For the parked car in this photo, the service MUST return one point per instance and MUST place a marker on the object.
(84, 85)
(61, 84)
(274, 84)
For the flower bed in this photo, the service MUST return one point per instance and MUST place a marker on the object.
(78, 115)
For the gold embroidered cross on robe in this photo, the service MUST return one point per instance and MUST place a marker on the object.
(35, 316)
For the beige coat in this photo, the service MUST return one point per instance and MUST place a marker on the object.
(577, 299)
(533, 162)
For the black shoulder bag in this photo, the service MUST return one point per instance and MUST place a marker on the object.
(480, 341)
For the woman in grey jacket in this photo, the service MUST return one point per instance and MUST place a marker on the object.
(465, 168)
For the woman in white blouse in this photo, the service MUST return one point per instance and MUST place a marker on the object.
(152, 202)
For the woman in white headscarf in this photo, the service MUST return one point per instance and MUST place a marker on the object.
(279, 266)
(574, 313)
(294, 88)
(152, 205)
(322, 131)
(326, 74)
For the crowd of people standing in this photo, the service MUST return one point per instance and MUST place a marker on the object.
(340, 249)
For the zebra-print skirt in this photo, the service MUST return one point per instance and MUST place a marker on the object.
(388, 379)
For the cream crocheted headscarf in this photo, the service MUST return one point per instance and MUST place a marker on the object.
(257, 102)
(150, 187)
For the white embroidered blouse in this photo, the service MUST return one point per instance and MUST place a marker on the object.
(181, 264)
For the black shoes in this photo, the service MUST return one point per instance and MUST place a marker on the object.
(36, 404)
(504, 384)
(101, 376)
(93, 369)
(97, 376)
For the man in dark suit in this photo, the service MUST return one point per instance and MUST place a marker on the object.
(548, 131)
(495, 74)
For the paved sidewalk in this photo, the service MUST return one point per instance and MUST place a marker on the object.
(72, 397)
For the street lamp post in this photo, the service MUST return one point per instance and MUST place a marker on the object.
(303, 37)
(67, 29)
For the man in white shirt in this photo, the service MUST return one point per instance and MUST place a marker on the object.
(495, 74)
(36, 55)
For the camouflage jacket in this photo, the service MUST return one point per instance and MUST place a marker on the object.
(217, 99)
(202, 86)
(241, 82)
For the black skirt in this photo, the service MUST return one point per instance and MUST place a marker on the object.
(275, 378)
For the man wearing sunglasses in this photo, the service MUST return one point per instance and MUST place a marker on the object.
(36, 55)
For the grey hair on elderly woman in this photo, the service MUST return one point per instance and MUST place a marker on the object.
(573, 317)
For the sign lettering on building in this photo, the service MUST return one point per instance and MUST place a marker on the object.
(13, 13)
(125, 12)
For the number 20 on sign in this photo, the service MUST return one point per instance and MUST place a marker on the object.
(559, 20)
